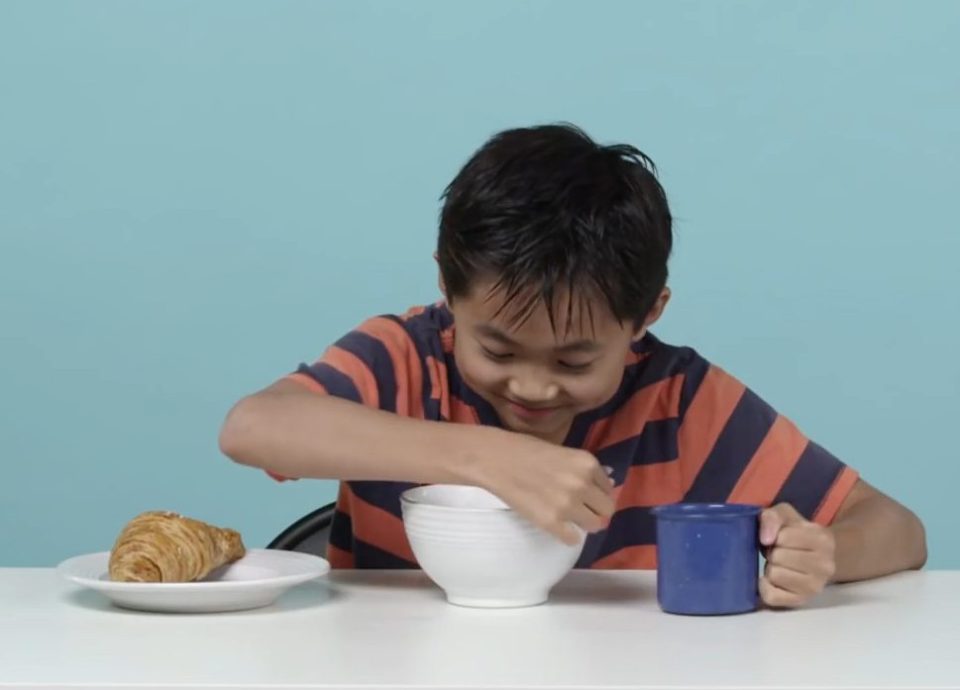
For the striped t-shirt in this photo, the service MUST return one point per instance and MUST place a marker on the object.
(677, 429)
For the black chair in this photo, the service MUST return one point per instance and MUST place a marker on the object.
(309, 534)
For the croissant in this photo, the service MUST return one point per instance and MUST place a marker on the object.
(160, 546)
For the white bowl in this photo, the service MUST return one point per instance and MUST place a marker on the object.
(481, 553)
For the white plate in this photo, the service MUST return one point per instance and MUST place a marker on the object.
(258, 579)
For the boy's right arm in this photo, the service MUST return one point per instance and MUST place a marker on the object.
(291, 431)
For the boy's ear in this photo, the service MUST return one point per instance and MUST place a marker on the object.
(656, 311)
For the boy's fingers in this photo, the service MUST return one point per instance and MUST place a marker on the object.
(806, 537)
(569, 533)
(770, 523)
(772, 520)
(611, 482)
(819, 563)
(603, 479)
(564, 531)
(600, 503)
(776, 597)
(801, 584)
(588, 520)
(793, 559)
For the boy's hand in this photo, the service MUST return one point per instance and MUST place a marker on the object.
(800, 557)
(558, 489)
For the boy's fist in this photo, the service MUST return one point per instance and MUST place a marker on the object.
(800, 557)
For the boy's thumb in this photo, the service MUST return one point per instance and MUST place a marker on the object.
(773, 519)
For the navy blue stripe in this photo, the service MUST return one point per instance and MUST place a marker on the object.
(656, 443)
(810, 480)
(648, 343)
(629, 527)
(375, 355)
(738, 442)
(431, 407)
(591, 547)
(385, 495)
(582, 422)
(442, 315)
(369, 556)
(692, 379)
(664, 362)
(335, 381)
(341, 531)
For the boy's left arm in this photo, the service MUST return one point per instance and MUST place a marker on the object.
(872, 535)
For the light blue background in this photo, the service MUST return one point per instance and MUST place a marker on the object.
(196, 196)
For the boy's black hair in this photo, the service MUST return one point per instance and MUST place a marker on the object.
(544, 210)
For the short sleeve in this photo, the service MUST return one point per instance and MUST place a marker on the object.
(377, 365)
(734, 447)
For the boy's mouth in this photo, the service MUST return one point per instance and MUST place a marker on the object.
(531, 413)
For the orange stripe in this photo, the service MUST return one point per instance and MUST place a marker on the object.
(770, 465)
(379, 528)
(635, 357)
(660, 400)
(357, 371)
(343, 499)
(651, 485)
(339, 558)
(833, 501)
(436, 372)
(412, 312)
(447, 337)
(705, 419)
(307, 382)
(407, 370)
(629, 558)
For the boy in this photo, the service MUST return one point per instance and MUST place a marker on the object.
(537, 378)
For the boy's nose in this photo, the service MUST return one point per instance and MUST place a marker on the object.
(530, 390)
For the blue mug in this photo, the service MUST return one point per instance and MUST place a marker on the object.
(708, 558)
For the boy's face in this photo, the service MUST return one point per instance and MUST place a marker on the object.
(538, 377)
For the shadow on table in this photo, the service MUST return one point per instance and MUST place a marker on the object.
(302, 597)
(839, 596)
(382, 579)
(602, 590)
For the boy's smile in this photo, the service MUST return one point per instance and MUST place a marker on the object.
(539, 375)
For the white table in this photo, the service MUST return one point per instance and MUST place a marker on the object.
(393, 630)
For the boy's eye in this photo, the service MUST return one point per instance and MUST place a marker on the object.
(574, 366)
(497, 356)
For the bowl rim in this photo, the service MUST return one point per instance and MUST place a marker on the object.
(406, 497)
